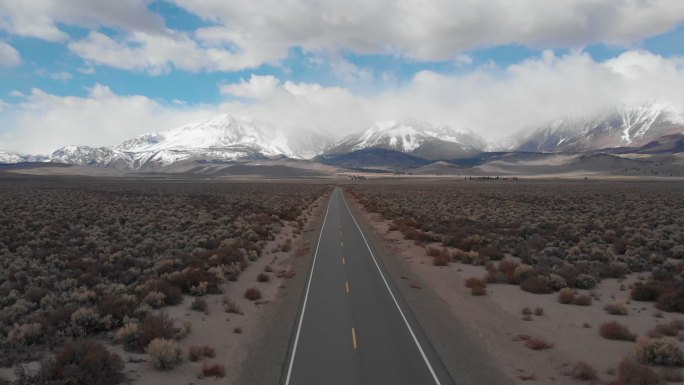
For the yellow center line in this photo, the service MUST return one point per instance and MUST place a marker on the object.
(354, 338)
(346, 284)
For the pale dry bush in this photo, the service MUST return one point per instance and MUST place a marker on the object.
(155, 299)
(658, 351)
(165, 353)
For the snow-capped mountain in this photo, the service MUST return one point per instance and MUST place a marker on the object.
(223, 137)
(83, 155)
(623, 126)
(420, 139)
(12, 158)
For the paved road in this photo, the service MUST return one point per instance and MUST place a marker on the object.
(353, 327)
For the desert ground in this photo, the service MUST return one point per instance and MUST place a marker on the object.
(537, 281)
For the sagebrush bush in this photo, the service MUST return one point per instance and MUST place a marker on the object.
(583, 300)
(253, 294)
(582, 371)
(537, 284)
(473, 282)
(165, 354)
(658, 351)
(86, 362)
(213, 370)
(631, 372)
(614, 330)
(153, 327)
(263, 277)
(128, 336)
(200, 304)
(566, 296)
(616, 309)
(196, 353)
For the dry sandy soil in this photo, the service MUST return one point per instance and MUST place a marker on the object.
(497, 321)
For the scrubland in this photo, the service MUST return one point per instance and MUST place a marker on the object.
(89, 267)
(589, 273)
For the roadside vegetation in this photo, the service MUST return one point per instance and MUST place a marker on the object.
(88, 261)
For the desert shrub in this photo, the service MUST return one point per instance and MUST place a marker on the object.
(196, 353)
(616, 270)
(231, 306)
(119, 307)
(253, 294)
(128, 336)
(631, 372)
(440, 257)
(538, 311)
(658, 351)
(616, 309)
(86, 362)
(475, 282)
(214, 370)
(237, 330)
(173, 294)
(670, 329)
(155, 299)
(165, 354)
(263, 277)
(585, 281)
(671, 301)
(154, 327)
(583, 300)
(536, 343)
(650, 290)
(566, 296)
(200, 304)
(582, 371)
(26, 334)
(536, 284)
(614, 330)
(85, 321)
(491, 252)
(202, 281)
(556, 282)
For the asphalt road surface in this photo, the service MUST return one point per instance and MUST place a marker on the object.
(353, 326)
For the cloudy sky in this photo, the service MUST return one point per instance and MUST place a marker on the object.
(96, 72)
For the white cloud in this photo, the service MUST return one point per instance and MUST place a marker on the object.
(247, 34)
(492, 101)
(429, 30)
(9, 56)
(42, 122)
(41, 18)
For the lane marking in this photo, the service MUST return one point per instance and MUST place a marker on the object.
(346, 284)
(354, 338)
(415, 339)
(343, 261)
(306, 295)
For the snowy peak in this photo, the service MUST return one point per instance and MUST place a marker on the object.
(622, 126)
(422, 139)
(222, 132)
(83, 155)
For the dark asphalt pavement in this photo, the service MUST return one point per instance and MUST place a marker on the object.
(353, 326)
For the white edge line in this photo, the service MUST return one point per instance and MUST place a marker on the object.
(306, 296)
(415, 339)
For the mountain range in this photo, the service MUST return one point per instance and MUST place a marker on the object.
(390, 145)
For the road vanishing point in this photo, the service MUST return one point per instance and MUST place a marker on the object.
(353, 325)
